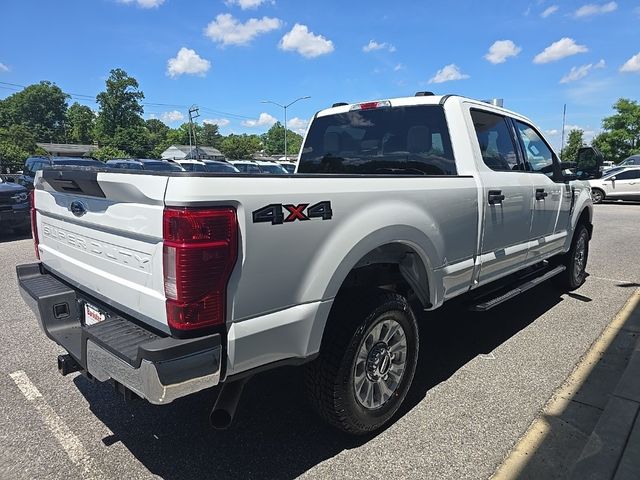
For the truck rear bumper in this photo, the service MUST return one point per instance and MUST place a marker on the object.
(155, 367)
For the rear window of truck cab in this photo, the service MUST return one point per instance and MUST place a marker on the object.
(411, 140)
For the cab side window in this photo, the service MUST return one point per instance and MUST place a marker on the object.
(628, 175)
(539, 156)
(496, 142)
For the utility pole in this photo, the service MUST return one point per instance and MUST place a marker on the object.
(564, 116)
(284, 107)
(193, 113)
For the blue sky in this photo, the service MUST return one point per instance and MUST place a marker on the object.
(227, 56)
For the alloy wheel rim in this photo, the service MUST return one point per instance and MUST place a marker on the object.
(580, 257)
(380, 364)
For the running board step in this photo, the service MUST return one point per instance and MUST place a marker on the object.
(514, 292)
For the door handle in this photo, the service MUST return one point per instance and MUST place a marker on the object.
(495, 197)
(540, 194)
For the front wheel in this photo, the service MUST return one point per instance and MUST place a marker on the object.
(575, 260)
(597, 195)
(367, 361)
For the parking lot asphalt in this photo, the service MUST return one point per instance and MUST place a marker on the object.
(482, 379)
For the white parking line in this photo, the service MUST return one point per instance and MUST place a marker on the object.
(67, 439)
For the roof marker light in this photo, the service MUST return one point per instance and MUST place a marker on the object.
(371, 105)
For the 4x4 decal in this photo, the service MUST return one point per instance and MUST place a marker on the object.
(275, 212)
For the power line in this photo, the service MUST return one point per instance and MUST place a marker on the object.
(81, 96)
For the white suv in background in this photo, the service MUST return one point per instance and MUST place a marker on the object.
(620, 184)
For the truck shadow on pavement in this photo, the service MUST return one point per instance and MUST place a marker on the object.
(9, 235)
(275, 434)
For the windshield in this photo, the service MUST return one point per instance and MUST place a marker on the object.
(399, 140)
(273, 168)
(162, 167)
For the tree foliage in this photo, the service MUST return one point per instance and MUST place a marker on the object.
(574, 142)
(210, 135)
(119, 105)
(80, 124)
(237, 147)
(621, 135)
(109, 153)
(40, 107)
(273, 141)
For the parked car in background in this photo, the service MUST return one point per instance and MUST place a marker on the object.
(620, 183)
(14, 207)
(607, 165)
(144, 164)
(273, 168)
(289, 166)
(217, 166)
(33, 164)
(246, 166)
(632, 160)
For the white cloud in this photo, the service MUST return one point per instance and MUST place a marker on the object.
(501, 50)
(595, 9)
(373, 45)
(447, 74)
(171, 117)
(298, 125)
(576, 73)
(552, 132)
(306, 43)
(188, 62)
(398, 67)
(264, 120)
(229, 31)
(631, 65)
(144, 3)
(221, 122)
(3, 67)
(565, 47)
(549, 11)
(246, 4)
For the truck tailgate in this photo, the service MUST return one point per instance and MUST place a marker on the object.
(102, 232)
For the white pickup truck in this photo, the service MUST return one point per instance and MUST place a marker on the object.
(168, 283)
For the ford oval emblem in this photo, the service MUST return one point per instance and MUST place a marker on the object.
(78, 208)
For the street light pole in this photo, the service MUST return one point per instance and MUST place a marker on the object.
(284, 107)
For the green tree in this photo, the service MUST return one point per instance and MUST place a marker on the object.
(41, 108)
(119, 105)
(621, 135)
(158, 132)
(135, 140)
(210, 135)
(237, 147)
(11, 157)
(574, 142)
(108, 153)
(19, 135)
(274, 140)
(80, 124)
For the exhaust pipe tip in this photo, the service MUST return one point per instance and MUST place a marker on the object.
(224, 410)
(220, 419)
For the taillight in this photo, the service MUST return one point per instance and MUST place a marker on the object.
(34, 223)
(200, 251)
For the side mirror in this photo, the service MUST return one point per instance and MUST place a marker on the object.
(589, 162)
(613, 179)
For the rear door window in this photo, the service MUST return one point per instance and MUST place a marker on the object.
(496, 142)
(412, 140)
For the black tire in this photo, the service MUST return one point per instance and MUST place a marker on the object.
(597, 195)
(331, 378)
(575, 273)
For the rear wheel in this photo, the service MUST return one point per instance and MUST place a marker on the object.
(575, 260)
(367, 361)
(597, 195)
